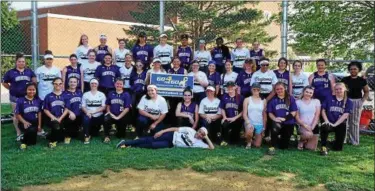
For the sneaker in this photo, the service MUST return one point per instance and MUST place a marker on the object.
(292, 138)
(248, 146)
(52, 145)
(271, 151)
(23, 146)
(267, 139)
(101, 129)
(121, 144)
(136, 138)
(87, 140)
(107, 140)
(19, 137)
(42, 133)
(223, 143)
(324, 151)
(67, 140)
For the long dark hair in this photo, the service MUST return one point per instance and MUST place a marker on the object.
(32, 84)
(285, 60)
(287, 96)
(305, 88)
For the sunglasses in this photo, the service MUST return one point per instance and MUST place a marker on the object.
(265, 65)
(49, 59)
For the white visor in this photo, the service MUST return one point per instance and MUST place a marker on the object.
(48, 56)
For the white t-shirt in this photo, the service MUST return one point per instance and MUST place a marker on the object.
(203, 57)
(266, 80)
(209, 107)
(44, 77)
(299, 82)
(89, 70)
(81, 53)
(92, 102)
(239, 56)
(157, 107)
(125, 74)
(164, 53)
(227, 78)
(255, 112)
(307, 111)
(197, 88)
(120, 56)
(152, 71)
(185, 137)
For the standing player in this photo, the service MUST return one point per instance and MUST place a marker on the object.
(202, 56)
(164, 52)
(143, 51)
(15, 80)
(299, 79)
(120, 53)
(137, 88)
(73, 70)
(102, 49)
(156, 69)
(200, 82)
(244, 78)
(88, 70)
(322, 81)
(283, 74)
(266, 78)
(126, 71)
(227, 76)
(239, 55)
(107, 73)
(256, 53)
(213, 76)
(83, 49)
(184, 52)
(220, 54)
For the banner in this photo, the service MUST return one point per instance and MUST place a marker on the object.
(172, 85)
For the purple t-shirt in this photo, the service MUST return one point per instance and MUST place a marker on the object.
(107, 75)
(256, 56)
(185, 54)
(73, 101)
(179, 71)
(322, 87)
(143, 53)
(54, 104)
(188, 110)
(283, 77)
(73, 72)
(18, 81)
(214, 79)
(137, 82)
(231, 105)
(278, 107)
(101, 53)
(335, 108)
(29, 109)
(220, 56)
(243, 81)
(118, 102)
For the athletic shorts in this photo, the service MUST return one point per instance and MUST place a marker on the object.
(13, 99)
(258, 129)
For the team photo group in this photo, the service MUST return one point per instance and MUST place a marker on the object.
(235, 98)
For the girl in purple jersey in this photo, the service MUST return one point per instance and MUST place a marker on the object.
(55, 109)
(256, 53)
(143, 51)
(102, 49)
(244, 78)
(73, 101)
(213, 76)
(335, 112)
(137, 87)
(73, 70)
(177, 69)
(283, 75)
(184, 52)
(187, 111)
(282, 110)
(107, 73)
(28, 111)
(15, 80)
(322, 81)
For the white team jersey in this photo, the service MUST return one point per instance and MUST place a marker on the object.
(203, 57)
(125, 74)
(164, 53)
(44, 77)
(227, 78)
(120, 56)
(209, 107)
(89, 70)
(299, 82)
(185, 137)
(266, 80)
(239, 56)
(93, 101)
(197, 88)
(157, 107)
(81, 53)
(152, 71)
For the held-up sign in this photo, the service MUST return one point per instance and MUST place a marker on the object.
(172, 85)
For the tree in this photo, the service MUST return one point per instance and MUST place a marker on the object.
(205, 20)
(333, 29)
(12, 37)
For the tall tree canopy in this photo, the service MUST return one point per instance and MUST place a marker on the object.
(12, 37)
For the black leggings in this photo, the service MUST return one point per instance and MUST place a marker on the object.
(234, 128)
(71, 127)
(340, 132)
(57, 132)
(171, 115)
(136, 97)
(183, 122)
(29, 134)
(91, 126)
(213, 129)
(120, 125)
(285, 133)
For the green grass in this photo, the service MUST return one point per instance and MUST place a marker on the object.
(352, 169)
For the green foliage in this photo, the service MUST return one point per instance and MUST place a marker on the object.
(9, 62)
(334, 28)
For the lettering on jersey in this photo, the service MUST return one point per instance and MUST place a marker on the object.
(285, 81)
(211, 82)
(74, 75)
(57, 103)
(101, 52)
(264, 80)
(94, 103)
(240, 58)
(185, 137)
(139, 81)
(184, 54)
(47, 77)
(218, 55)
(22, 78)
(321, 80)
(282, 106)
(120, 59)
(89, 71)
(247, 81)
(31, 109)
(75, 99)
(152, 110)
(108, 73)
(210, 110)
(117, 101)
(142, 53)
(231, 105)
(336, 109)
(188, 113)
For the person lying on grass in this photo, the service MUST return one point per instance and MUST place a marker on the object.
(174, 136)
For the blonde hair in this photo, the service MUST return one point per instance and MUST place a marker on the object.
(345, 92)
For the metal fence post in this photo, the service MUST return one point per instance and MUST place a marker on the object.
(161, 16)
(34, 32)
(284, 30)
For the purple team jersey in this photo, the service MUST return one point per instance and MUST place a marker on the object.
(102, 50)
(231, 105)
(185, 54)
(219, 56)
(118, 102)
(107, 75)
(283, 77)
(214, 79)
(335, 108)
(73, 72)
(179, 71)
(18, 81)
(188, 110)
(29, 109)
(54, 104)
(256, 56)
(73, 101)
(322, 87)
(143, 53)
(243, 81)
(277, 107)
(137, 82)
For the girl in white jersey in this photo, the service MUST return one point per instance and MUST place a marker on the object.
(82, 49)
(255, 116)
(126, 70)
(164, 52)
(239, 55)
(119, 53)
(299, 79)
(88, 70)
(202, 56)
(227, 76)
(156, 69)
(200, 82)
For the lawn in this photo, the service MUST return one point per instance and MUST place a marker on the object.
(352, 169)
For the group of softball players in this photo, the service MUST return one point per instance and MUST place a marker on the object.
(234, 91)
